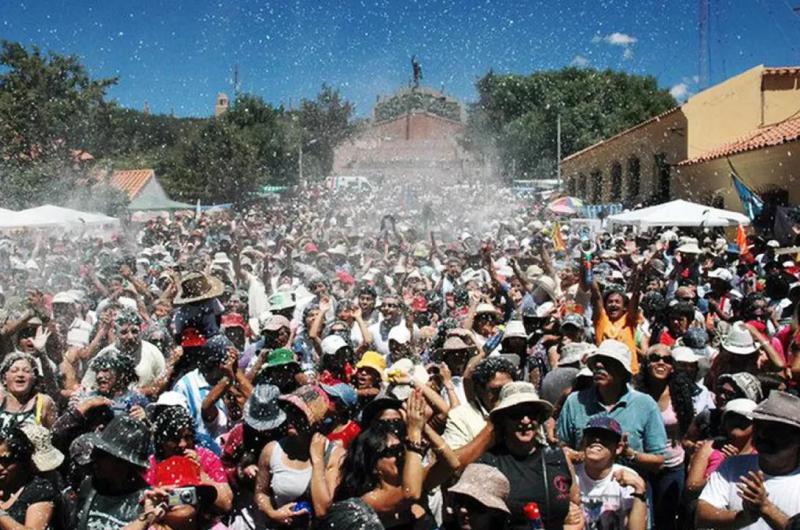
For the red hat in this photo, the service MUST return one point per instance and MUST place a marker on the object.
(233, 320)
(310, 248)
(419, 304)
(191, 337)
(183, 472)
(345, 278)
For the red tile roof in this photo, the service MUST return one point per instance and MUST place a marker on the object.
(132, 181)
(767, 136)
(783, 70)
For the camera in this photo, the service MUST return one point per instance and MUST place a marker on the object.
(182, 496)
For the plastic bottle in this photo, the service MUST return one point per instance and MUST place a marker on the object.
(534, 516)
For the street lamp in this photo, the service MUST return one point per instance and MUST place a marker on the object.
(300, 157)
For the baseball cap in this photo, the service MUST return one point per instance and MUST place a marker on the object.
(332, 343)
(604, 423)
(400, 334)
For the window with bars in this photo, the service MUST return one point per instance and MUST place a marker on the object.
(597, 186)
(616, 182)
(634, 179)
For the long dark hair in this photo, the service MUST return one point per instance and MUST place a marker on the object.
(681, 391)
(360, 467)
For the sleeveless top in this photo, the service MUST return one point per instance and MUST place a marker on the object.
(287, 484)
(9, 420)
(543, 477)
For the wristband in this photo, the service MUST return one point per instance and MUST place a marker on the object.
(420, 448)
(641, 496)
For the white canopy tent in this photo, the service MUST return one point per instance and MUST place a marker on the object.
(678, 213)
(49, 216)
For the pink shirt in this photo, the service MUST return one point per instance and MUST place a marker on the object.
(209, 463)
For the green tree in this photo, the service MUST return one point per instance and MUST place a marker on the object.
(215, 165)
(515, 116)
(323, 124)
(46, 103)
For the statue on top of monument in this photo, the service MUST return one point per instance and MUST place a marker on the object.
(416, 69)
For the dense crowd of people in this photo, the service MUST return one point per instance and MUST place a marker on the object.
(397, 359)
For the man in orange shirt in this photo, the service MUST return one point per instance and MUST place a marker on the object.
(615, 316)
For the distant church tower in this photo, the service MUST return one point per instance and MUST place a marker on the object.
(222, 104)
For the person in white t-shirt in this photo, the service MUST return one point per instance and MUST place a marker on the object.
(612, 496)
(759, 492)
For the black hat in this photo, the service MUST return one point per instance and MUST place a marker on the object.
(374, 408)
(125, 438)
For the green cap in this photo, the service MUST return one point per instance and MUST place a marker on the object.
(280, 357)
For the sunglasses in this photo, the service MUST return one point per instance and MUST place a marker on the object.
(7, 460)
(392, 451)
(517, 414)
(656, 358)
(390, 306)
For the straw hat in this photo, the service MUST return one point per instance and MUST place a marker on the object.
(196, 287)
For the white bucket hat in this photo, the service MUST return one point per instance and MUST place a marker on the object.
(521, 392)
(613, 349)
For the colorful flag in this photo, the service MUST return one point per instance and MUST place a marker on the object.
(750, 200)
(741, 240)
(558, 240)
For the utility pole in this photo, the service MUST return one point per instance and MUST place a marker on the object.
(300, 162)
(558, 151)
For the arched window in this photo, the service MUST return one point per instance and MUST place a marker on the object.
(634, 179)
(616, 182)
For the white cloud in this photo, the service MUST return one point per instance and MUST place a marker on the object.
(623, 40)
(619, 39)
(579, 61)
(680, 91)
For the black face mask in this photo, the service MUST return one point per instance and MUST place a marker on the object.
(396, 426)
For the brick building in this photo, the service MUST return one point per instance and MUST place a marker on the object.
(413, 134)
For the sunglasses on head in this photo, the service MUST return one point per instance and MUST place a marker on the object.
(656, 358)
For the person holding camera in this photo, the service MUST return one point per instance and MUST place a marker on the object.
(174, 437)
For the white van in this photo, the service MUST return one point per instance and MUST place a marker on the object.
(349, 182)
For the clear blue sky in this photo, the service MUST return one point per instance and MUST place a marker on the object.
(177, 54)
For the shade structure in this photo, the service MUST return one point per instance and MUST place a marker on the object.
(679, 213)
(565, 206)
(49, 215)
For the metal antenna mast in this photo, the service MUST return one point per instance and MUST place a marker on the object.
(705, 44)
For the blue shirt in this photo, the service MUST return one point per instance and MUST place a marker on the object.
(636, 412)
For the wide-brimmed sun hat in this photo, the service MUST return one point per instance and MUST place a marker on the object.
(522, 393)
(125, 438)
(485, 484)
(196, 287)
